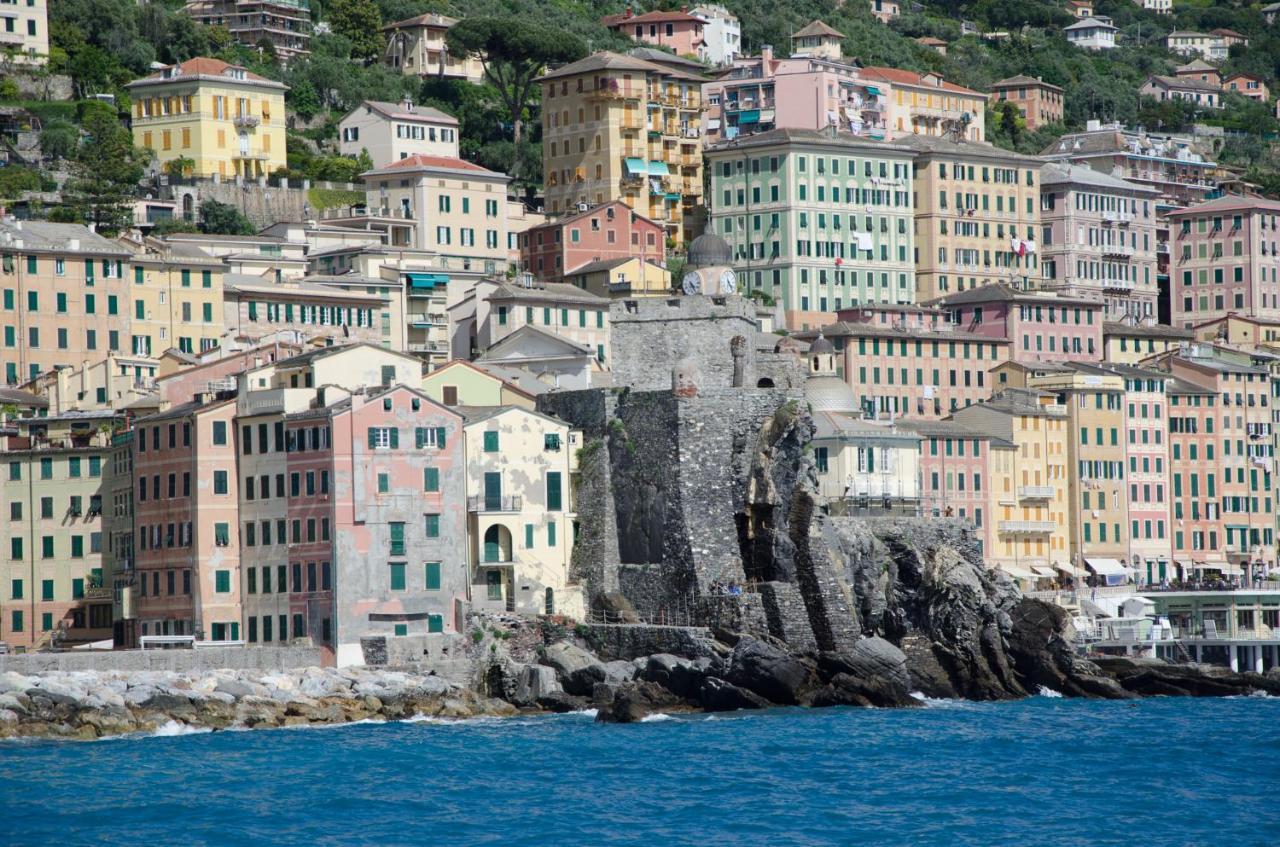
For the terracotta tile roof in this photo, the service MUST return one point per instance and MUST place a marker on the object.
(420, 160)
(202, 66)
(818, 28)
(896, 76)
(430, 19)
(612, 21)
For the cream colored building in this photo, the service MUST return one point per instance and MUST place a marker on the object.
(24, 32)
(416, 47)
(496, 309)
(462, 383)
(625, 277)
(926, 104)
(618, 127)
(977, 216)
(174, 298)
(65, 297)
(1029, 488)
(520, 511)
(390, 132)
(1128, 344)
(254, 308)
(448, 206)
(112, 382)
(226, 119)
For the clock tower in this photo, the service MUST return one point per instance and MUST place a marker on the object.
(708, 270)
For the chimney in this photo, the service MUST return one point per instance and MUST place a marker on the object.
(766, 56)
(407, 103)
(628, 13)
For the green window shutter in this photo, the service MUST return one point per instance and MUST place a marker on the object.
(206, 279)
(384, 483)
(77, 546)
(553, 491)
(433, 576)
(440, 437)
(208, 312)
(253, 310)
(373, 437)
(77, 589)
(528, 536)
(397, 539)
(435, 623)
(430, 479)
(186, 278)
(419, 437)
(551, 534)
(395, 438)
(222, 581)
(397, 576)
(491, 441)
(402, 629)
(433, 526)
(46, 589)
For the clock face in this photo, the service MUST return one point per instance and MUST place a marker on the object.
(729, 282)
(692, 283)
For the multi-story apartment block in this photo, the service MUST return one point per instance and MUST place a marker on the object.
(721, 34)
(286, 24)
(186, 523)
(416, 47)
(816, 220)
(451, 207)
(64, 297)
(926, 104)
(621, 128)
(174, 298)
(911, 362)
(1129, 344)
(254, 308)
(1170, 164)
(520, 511)
(1147, 433)
(1225, 258)
(610, 231)
(24, 32)
(955, 474)
(117, 535)
(801, 92)
(678, 31)
(977, 211)
(1030, 499)
(1039, 102)
(52, 586)
(390, 132)
(111, 382)
(495, 310)
(1039, 327)
(227, 120)
(1099, 240)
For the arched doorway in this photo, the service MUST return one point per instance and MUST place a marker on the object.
(497, 544)
(764, 382)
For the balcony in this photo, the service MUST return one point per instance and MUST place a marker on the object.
(1035, 492)
(1112, 284)
(1122, 218)
(1026, 527)
(1121, 251)
(492, 505)
(421, 320)
(632, 119)
(246, 121)
(429, 347)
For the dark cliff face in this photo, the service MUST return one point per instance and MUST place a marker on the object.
(781, 467)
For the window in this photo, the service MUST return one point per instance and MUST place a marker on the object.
(433, 526)
(384, 438)
(397, 576)
(219, 482)
(222, 581)
(432, 576)
(220, 432)
(491, 441)
(430, 479)
(553, 491)
(222, 534)
(397, 538)
(384, 483)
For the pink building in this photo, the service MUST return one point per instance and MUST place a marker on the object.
(802, 92)
(679, 31)
(955, 473)
(1039, 327)
(1147, 436)
(379, 550)
(186, 537)
(1225, 258)
(608, 231)
(183, 386)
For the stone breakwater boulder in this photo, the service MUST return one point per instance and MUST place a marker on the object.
(89, 705)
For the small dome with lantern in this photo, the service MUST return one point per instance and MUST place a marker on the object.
(708, 268)
(826, 390)
(709, 250)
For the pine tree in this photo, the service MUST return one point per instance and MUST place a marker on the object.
(360, 22)
(105, 173)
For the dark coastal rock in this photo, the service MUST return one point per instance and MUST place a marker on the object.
(635, 700)
(560, 702)
(678, 675)
(571, 663)
(769, 672)
(717, 695)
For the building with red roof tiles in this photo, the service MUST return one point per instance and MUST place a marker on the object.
(926, 104)
(679, 31)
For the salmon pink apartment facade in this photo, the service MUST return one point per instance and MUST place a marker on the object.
(1039, 327)
(186, 513)
(955, 473)
(678, 31)
(608, 231)
(1225, 257)
(1147, 436)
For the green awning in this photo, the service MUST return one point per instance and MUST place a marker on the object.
(871, 89)
(658, 169)
(422, 280)
(636, 166)
(673, 196)
(749, 116)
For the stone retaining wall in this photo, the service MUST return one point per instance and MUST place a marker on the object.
(630, 641)
(203, 659)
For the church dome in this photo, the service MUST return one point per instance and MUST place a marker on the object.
(708, 251)
(830, 393)
(820, 346)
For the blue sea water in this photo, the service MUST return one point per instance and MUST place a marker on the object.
(1045, 771)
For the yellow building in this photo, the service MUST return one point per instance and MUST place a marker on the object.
(174, 299)
(1128, 345)
(977, 216)
(1029, 488)
(616, 127)
(228, 121)
(462, 383)
(926, 104)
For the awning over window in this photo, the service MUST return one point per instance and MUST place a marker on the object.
(1107, 567)
(421, 280)
(1016, 571)
(873, 91)
(636, 166)
(749, 116)
(1043, 571)
(659, 169)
